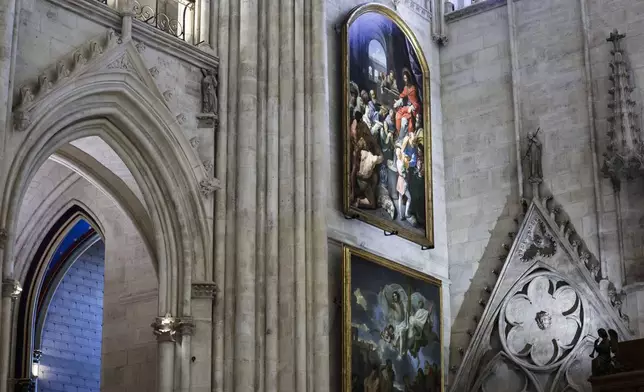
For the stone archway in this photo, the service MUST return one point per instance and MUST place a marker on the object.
(120, 107)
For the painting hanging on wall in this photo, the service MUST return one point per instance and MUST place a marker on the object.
(392, 331)
(386, 125)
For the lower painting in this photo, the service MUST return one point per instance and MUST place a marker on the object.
(392, 326)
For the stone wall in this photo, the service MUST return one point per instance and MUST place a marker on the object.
(49, 33)
(71, 340)
(482, 186)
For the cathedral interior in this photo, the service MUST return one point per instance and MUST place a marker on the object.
(321, 195)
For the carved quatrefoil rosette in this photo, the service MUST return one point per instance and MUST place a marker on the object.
(541, 321)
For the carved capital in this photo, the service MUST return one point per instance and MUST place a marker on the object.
(11, 288)
(171, 329)
(206, 290)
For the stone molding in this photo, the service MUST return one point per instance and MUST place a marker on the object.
(107, 52)
(417, 8)
(198, 56)
(474, 9)
(204, 290)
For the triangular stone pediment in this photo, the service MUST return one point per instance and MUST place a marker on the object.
(105, 53)
(544, 310)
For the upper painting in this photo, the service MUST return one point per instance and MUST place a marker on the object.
(387, 143)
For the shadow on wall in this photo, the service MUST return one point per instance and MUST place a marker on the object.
(335, 314)
(481, 284)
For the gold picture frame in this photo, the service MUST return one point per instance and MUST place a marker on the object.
(377, 200)
(369, 335)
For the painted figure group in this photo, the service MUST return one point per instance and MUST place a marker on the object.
(382, 378)
(386, 140)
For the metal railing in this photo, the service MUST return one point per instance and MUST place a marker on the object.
(170, 16)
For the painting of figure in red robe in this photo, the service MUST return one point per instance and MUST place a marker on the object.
(387, 125)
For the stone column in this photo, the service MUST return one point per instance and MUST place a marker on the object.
(271, 256)
(10, 291)
(203, 296)
(170, 330)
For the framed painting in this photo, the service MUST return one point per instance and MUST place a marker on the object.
(386, 125)
(392, 326)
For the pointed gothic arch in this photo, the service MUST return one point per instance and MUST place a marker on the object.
(39, 283)
(130, 118)
(113, 96)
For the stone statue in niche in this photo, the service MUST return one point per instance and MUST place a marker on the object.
(607, 349)
(209, 91)
(534, 155)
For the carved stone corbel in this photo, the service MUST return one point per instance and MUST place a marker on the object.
(209, 185)
(11, 289)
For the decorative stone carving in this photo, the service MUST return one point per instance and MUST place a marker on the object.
(140, 47)
(209, 84)
(11, 288)
(167, 95)
(79, 60)
(95, 50)
(208, 186)
(26, 96)
(537, 323)
(154, 71)
(441, 40)
(112, 38)
(21, 120)
(538, 242)
(44, 84)
(541, 321)
(171, 329)
(209, 166)
(195, 142)
(624, 156)
(122, 62)
(62, 72)
(204, 290)
(617, 300)
(181, 119)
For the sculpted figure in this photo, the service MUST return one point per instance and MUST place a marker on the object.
(209, 91)
(534, 154)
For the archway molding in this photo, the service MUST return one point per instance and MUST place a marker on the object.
(118, 107)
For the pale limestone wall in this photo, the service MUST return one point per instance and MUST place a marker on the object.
(480, 149)
(49, 33)
(130, 299)
(360, 234)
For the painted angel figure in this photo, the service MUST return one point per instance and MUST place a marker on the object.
(394, 303)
